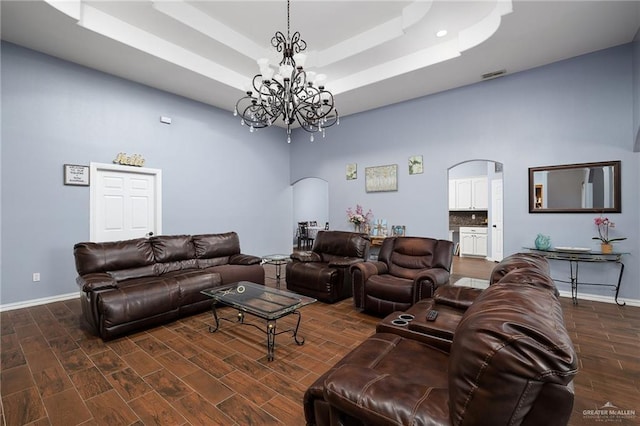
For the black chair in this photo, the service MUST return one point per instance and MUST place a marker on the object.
(304, 241)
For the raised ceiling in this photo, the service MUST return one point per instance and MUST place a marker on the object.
(375, 53)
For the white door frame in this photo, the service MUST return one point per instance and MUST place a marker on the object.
(95, 167)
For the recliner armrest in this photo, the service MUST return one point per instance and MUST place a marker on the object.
(96, 281)
(244, 259)
(437, 276)
(306, 256)
(346, 262)
(369, 268)
(456, 296)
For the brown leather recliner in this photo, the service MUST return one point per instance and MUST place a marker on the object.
(511, 362)
(323, 273)
(408, 269)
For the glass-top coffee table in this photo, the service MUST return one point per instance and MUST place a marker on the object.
(269, 304)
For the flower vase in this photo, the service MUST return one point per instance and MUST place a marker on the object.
(356, 227)
(606, 248)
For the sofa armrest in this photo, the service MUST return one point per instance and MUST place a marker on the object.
(374, 397)
(96, 281)
(456, 296)
(306, 256)
(244, 259)
(345, 262)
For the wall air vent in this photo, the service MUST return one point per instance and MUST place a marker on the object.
(493, 74)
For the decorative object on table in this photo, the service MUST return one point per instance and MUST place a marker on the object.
(415, 165)
(291, 95)
(398, 230)
(76, 175)
(352, 171)
(380, 228)
(603, 224)
(381, 178)
(543, 242)
(358, 217)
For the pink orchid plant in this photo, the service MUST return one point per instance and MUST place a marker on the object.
(603, 224)
(358, 216)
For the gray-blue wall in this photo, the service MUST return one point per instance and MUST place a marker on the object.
(218, 177)
(578, 110)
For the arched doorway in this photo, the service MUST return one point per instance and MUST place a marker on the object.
(310, 202)
(476, 201)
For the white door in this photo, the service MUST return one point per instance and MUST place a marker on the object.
(125, 202)
(497, 237)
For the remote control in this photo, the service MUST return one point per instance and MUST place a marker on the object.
(431, 315)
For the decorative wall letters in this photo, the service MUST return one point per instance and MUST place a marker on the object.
(126, 160)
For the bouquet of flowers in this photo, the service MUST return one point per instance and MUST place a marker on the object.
(603, 224)
(358, 216)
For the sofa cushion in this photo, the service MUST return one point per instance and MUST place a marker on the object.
(172, 248)
(379, 383)
(111, 256)
(216, 245)
(137, 299)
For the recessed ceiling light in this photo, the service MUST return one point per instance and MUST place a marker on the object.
(441, 33)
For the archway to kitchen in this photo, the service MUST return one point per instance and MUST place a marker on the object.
(476, 209)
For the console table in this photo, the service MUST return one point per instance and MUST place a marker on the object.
(580, 256)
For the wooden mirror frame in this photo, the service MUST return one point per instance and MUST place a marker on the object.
(535, 189)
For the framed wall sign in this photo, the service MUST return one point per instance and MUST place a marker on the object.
(381, 178)
(352, 171)
(76, 175)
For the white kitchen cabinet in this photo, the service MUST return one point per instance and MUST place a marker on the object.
(473, 241)
(469, 194)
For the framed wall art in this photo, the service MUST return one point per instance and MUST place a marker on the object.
(415, 165)
(352, 171)
(381, 178)
(76, 175)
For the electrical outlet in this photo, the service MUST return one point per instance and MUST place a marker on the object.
(36, 277)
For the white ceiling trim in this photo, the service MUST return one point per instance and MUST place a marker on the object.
(383, 33)
(476, 34)
(115, 29)
(210, 27)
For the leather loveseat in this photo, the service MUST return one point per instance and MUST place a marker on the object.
(134, 284)
(323, 272)
(408, 269)
(510, 362)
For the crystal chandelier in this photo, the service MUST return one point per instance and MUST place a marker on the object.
(292, 94)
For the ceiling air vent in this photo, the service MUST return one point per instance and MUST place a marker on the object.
(493, 74)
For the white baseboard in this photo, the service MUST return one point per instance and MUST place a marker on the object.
(598, 298)
(36, 302)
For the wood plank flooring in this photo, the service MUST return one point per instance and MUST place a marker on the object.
(53, 372)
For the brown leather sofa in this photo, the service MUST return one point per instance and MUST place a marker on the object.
(323, 272)
(134, 284)
(408, 269)
(510, 362)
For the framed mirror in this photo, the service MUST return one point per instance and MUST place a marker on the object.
(575, 188)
